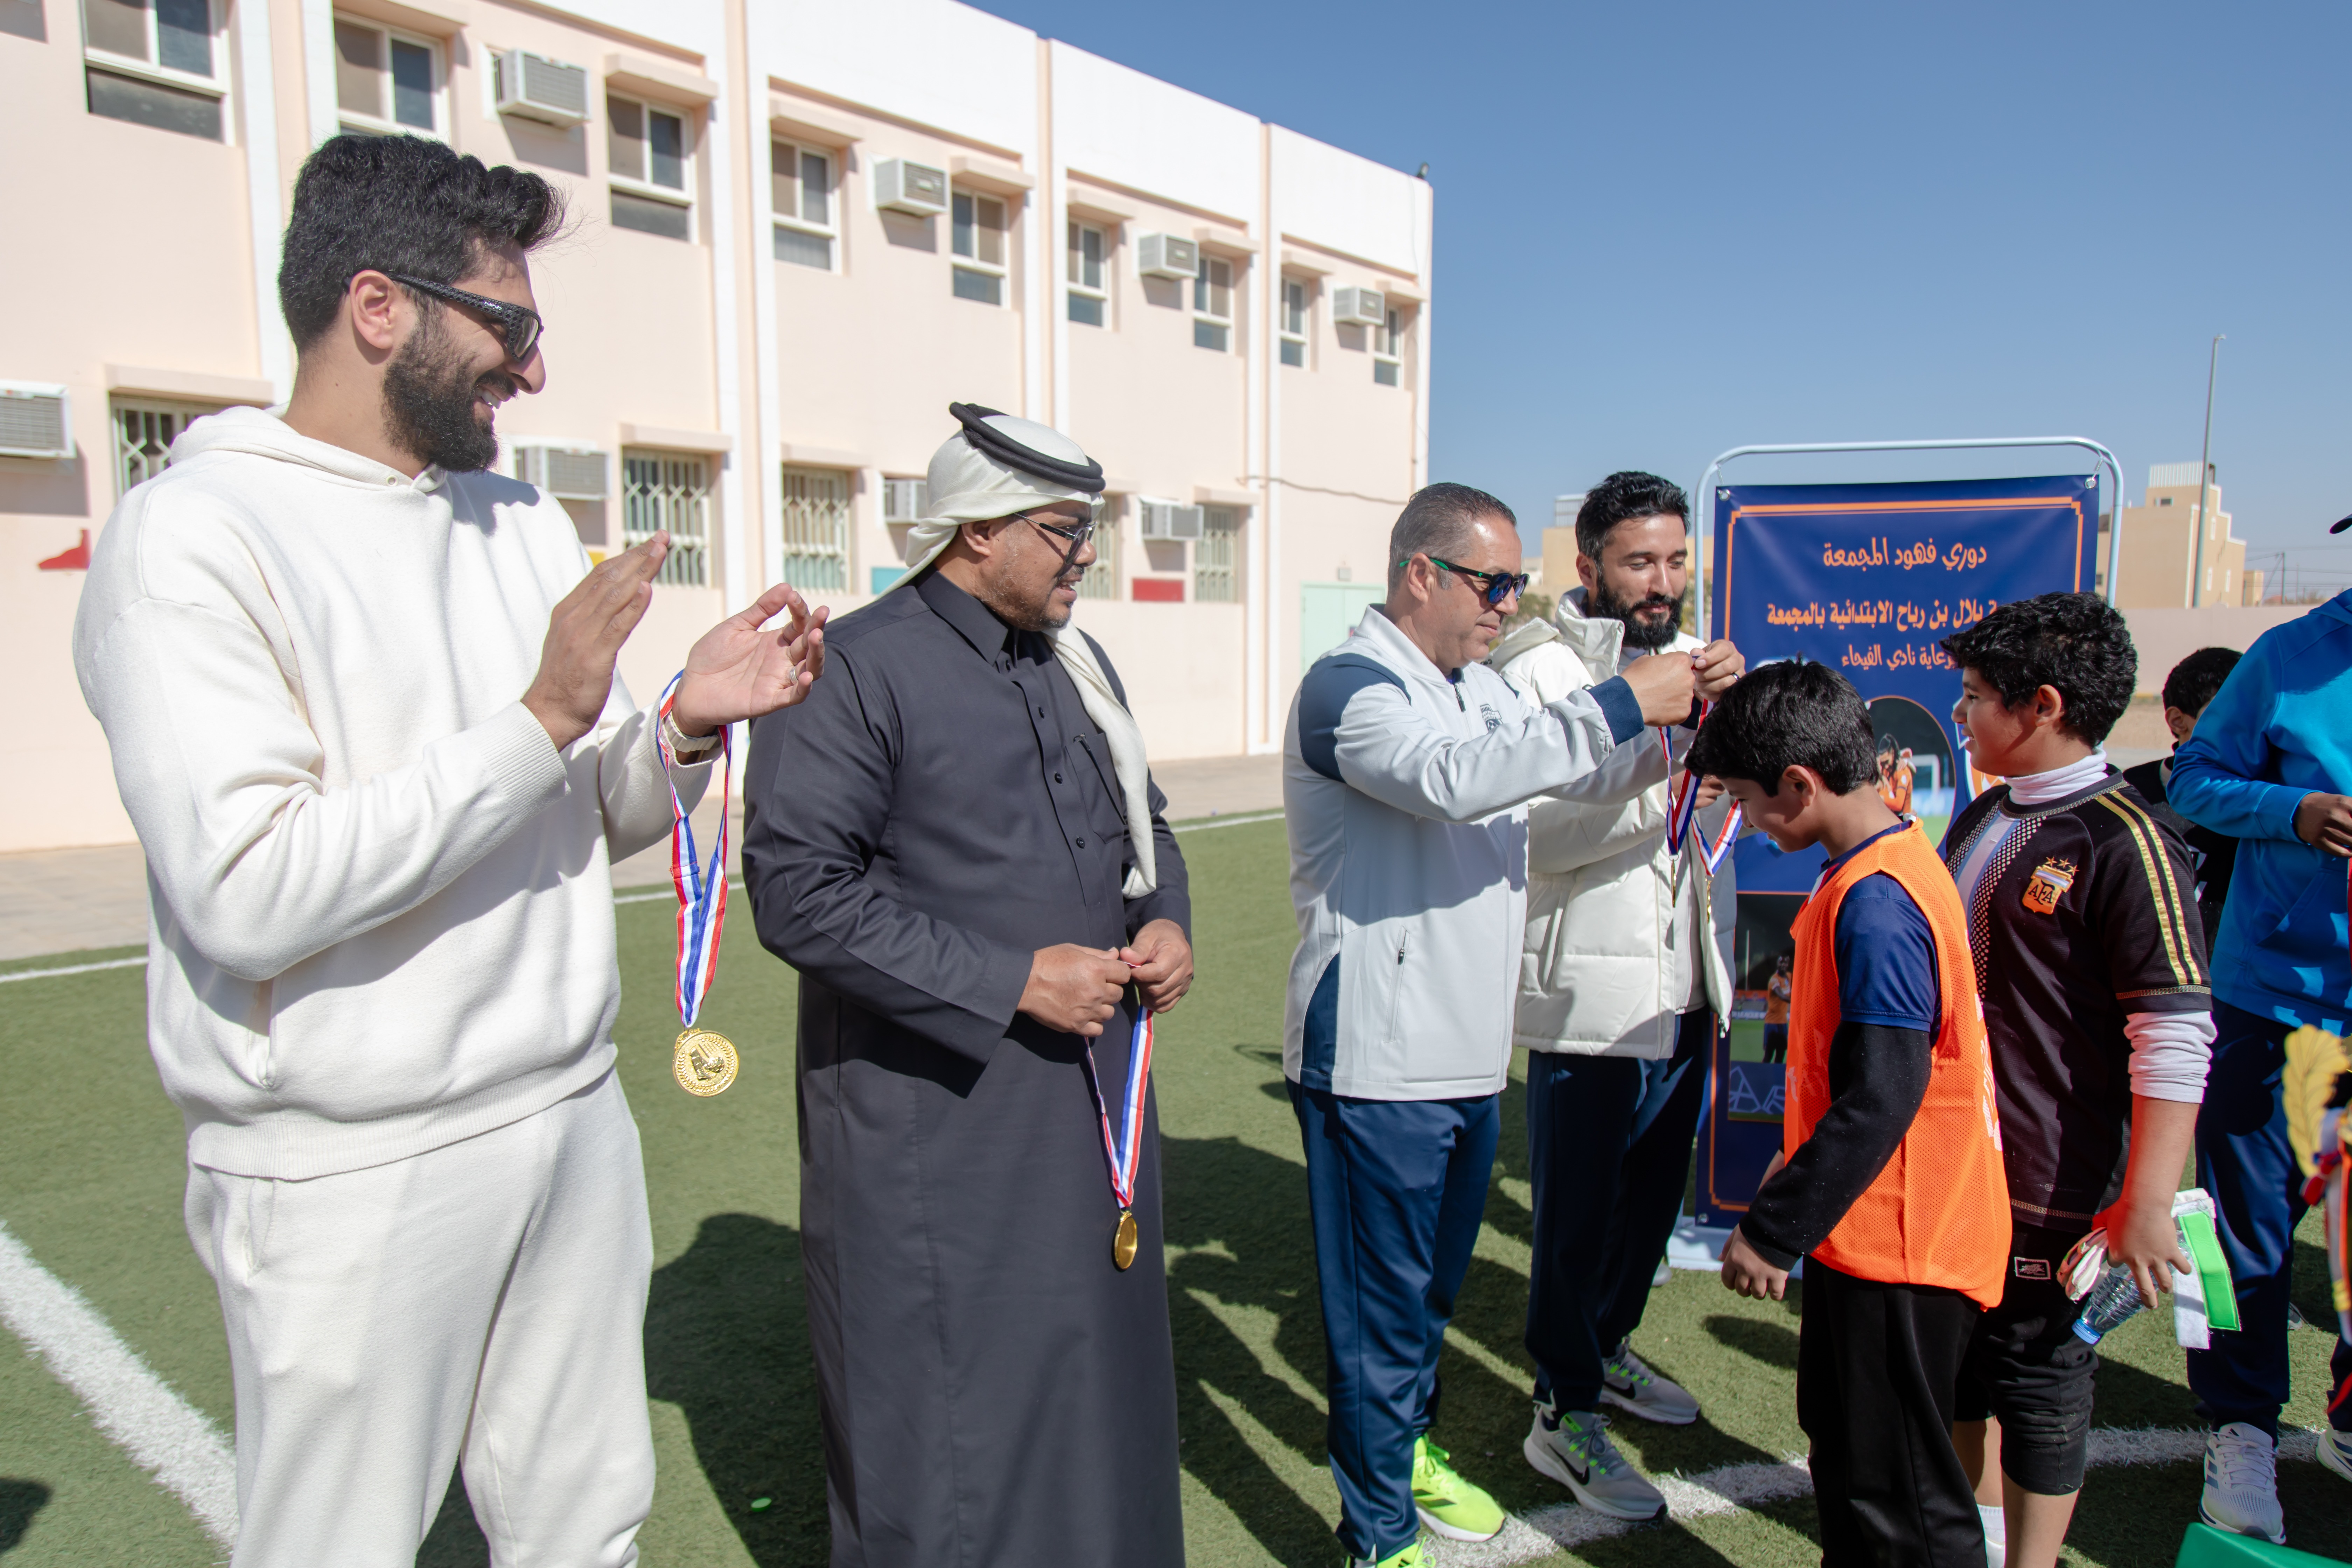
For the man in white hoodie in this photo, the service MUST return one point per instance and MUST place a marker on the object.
(361, 703)
(1622, 985)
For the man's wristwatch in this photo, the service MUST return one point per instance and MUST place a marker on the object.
(690, 747)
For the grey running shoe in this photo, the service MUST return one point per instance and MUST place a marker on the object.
(2242, 1483)
(1629, 1383)
(1573, 1448)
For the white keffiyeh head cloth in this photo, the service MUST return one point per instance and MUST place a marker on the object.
(997, 465)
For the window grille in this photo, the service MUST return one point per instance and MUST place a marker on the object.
(143, 433)
(1101, 581)
(671, 491)
(817, 527)
(1216, 557)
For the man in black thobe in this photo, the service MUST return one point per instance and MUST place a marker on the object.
(941, 841)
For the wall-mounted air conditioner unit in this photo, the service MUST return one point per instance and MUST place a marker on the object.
(903, 186)
(566, 472)
(1170, 520)
(532, 87)
(1360, 307)
(905, 501)
(35, 420)
(1167, 255)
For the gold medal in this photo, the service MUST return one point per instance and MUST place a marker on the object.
(1122, 1245)
(705, 1063)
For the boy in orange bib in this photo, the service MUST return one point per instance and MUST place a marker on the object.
(1889, 1181)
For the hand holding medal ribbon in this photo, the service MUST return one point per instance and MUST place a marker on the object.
(705, 1061)
(1684, 810)
(1124, 1151)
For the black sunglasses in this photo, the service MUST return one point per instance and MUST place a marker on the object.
(520, 323)
(1492, 586)
(1075, 534)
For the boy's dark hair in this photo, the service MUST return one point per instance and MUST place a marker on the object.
(2195, 679)
(2078, 643)
(399, 204)
(1624, 497)
(1437, 522)
(1794, 715)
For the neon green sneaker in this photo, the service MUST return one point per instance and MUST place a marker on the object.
(1409, 1557)
(1448, 1505)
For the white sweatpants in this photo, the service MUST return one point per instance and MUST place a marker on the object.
(484, 1300)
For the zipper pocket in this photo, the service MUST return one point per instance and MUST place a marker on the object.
(1396, 986)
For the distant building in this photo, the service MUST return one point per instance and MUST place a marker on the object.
(1557, 571)
(801, 229)
(2159, 568)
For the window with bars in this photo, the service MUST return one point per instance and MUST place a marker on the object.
(1213, 304)
(156, 63)
(1088, 297)
(1217, 556)
(1101, 581)
(386, 82)
(817, 527)
(650, 150)
(802, 179)
(671, 491)
(978, 240)
(144, 430)
(1293, 321)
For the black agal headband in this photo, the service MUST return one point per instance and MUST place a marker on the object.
(994, 443)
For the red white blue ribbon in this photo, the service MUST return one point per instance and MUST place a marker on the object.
(701, 891)
(1124, 1152)
(1685, 809)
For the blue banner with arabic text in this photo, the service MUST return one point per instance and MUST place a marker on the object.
(1867, 579)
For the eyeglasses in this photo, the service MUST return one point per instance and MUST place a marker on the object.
(520, 323)
(1075, 534)
(1492, 587)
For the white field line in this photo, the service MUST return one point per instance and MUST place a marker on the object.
(1539, 1534)
(162, 1433)
(73, 969)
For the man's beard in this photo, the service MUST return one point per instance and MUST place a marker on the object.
(428, 402)
(1643, 632)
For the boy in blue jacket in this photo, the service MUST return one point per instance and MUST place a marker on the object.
(2269, 764)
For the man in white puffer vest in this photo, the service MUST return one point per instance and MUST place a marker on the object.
(1622, 986)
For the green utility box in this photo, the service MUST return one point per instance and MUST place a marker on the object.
(2206, 1547)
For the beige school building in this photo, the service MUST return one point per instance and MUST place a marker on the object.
(801, 230)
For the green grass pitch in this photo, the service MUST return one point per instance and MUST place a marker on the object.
(91, 1171)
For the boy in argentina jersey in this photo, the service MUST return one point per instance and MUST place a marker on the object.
(2083, 922)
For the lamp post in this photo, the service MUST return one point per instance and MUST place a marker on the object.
(2205, 481)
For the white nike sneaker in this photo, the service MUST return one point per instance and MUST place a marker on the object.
(2242, 1483)
(2335, 1452)
(1629, 1383)
(1573, 1448)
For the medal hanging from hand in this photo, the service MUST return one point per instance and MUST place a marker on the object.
(704, 1060)
(1124, 1152)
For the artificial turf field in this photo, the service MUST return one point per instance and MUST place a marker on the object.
(91, 1171)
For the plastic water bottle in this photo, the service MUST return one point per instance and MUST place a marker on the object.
(2109, 1302)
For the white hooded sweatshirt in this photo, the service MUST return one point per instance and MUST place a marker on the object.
(381, 902)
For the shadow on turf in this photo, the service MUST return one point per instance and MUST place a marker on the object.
(19, 1501)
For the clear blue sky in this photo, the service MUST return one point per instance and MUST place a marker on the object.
(1666, 230)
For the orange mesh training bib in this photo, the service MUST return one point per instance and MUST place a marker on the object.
(1939, 1213)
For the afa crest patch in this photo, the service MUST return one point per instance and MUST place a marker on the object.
(2048, 885)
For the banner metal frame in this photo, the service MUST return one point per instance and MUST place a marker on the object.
(1704, 497)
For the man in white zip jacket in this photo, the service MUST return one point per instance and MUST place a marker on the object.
(362, 704)
(1407, 764)
(1622, 986)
